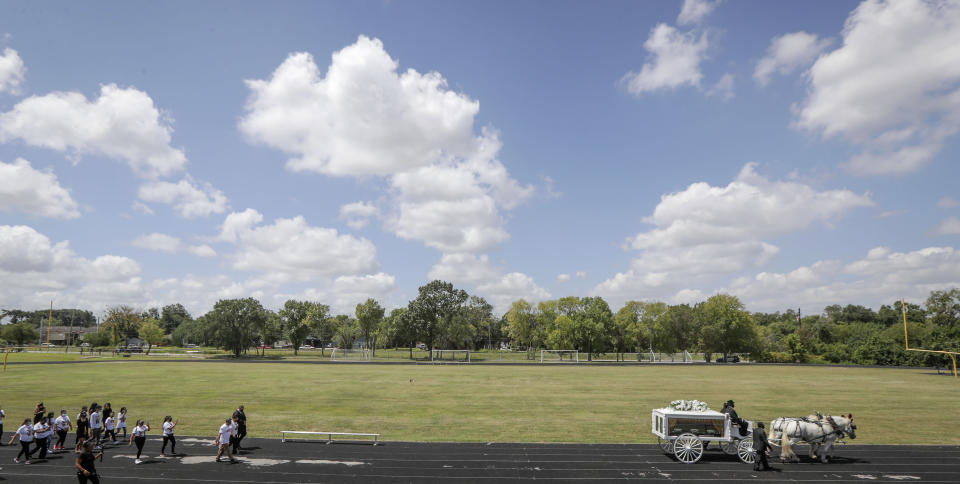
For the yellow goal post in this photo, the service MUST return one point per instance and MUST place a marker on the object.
(906, 341)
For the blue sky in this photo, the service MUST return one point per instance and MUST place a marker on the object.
(795, 154)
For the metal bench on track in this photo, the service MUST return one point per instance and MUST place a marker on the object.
(283, 435)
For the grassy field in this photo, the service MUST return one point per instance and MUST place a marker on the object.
(485, 403)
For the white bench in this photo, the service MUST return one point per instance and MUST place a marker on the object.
(283, 435)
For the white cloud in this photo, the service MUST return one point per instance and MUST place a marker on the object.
(879, 278)
(362, 118)
(787, 53)
(947, 202)
(511, 287)
(464, 268)
(12, 71)
(158, 242)
(122, 123)
(142, 207)
(891, 88)
(581, 275)
(292, 250)
(563, 278)
(24, 189)
(705, 231)
(694, 11)
(33, 271)
(358, 214)
(186, 197)
(723, 87)
(202, 250)
(949, 226)
(675, 61)
(366, 118)
(348, 291)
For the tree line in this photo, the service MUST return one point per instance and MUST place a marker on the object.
(443, 316)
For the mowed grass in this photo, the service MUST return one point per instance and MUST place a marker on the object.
(542, 403)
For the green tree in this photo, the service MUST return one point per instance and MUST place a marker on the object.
(796, 348)
(479, 314)
(625, 324)
(345, 331)
(172, 316)
(562, 335)
(596, 321)
(369, 314)
(121, 322)
(521, 325)
(298, 320)
(943, 308)
(20, 333)
(151, 332)
(678, 328)
(97, 338)
(434, 308)
(727, 327)
(235, 322)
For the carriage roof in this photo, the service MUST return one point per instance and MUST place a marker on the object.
(706, 414)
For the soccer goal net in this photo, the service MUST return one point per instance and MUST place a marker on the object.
(553, 356)
(344, 354)
(452, 355)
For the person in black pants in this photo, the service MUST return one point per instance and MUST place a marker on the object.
(241, 427)
(139, 436)
(83, 426)
(25, 434)
(760, 446)
(86, 470)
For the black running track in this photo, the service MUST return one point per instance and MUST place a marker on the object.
(270, 461)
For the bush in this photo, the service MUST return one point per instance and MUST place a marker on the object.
(774, 357)
(100, 338)
(837, 353)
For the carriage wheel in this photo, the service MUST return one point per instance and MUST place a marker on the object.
(729, 448)
(688, 448)
(665, 445)
(745, 451)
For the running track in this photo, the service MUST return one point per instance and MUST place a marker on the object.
(270, 461)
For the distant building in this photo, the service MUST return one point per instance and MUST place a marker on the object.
(65, 335)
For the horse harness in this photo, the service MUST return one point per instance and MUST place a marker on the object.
(818, 422)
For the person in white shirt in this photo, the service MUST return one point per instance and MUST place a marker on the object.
(139, 436)
(168, 425)
(25, 434)
(96, 424)
(40, 437)
(122, 421)
(223, 440)
(51, 430)
(63, 425)
(109, 424)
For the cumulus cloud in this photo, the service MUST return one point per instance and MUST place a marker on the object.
(122, 123)
(949, 226)
(498, 287)
(12, 71)
(723, 88)
(292, 250)
(880, 277)
(464, 268)
(705, 231)
(947, 202)
(788, 53)
(35, 192)
(187, 198)
(365, 117)
(563, 278)
(158, 242)
(694, 11)
(510, 287)
(358, 214)
(892, 88)
(33, 271)
(674, 61)
(202, 250)
(348, 291)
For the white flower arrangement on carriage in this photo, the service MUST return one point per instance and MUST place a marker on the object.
(686, 427)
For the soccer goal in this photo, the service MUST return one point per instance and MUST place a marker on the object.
(554, 356)
(452, 355)
(350, 354)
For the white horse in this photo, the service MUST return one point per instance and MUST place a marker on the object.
(817, 430)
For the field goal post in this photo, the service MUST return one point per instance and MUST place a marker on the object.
(345, 354)
(550, 356)
(452, 355)
(906, 341)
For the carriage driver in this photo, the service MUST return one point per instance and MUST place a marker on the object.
(734, 418)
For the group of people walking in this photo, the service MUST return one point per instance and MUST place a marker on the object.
(98, 425)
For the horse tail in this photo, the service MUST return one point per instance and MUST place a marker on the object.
(785, 451)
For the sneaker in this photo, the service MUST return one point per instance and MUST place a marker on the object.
(137, 461)
(218, 459)
(16, 460)
(27, 462)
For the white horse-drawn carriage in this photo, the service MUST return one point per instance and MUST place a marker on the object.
(686, 427)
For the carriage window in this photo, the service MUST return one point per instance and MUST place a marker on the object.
(696, 426)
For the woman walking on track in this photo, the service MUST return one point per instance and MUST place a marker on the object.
(39, 412)
(96, 423)
(86, 470)
(122, 421)
(224, 438)
(63, 425)
(110, 434)
(25, 434)
(168, 425)
(40, 434)
(83, 426)
(139, 436)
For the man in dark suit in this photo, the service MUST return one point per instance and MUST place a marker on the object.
(760, 446)
(241, 427)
